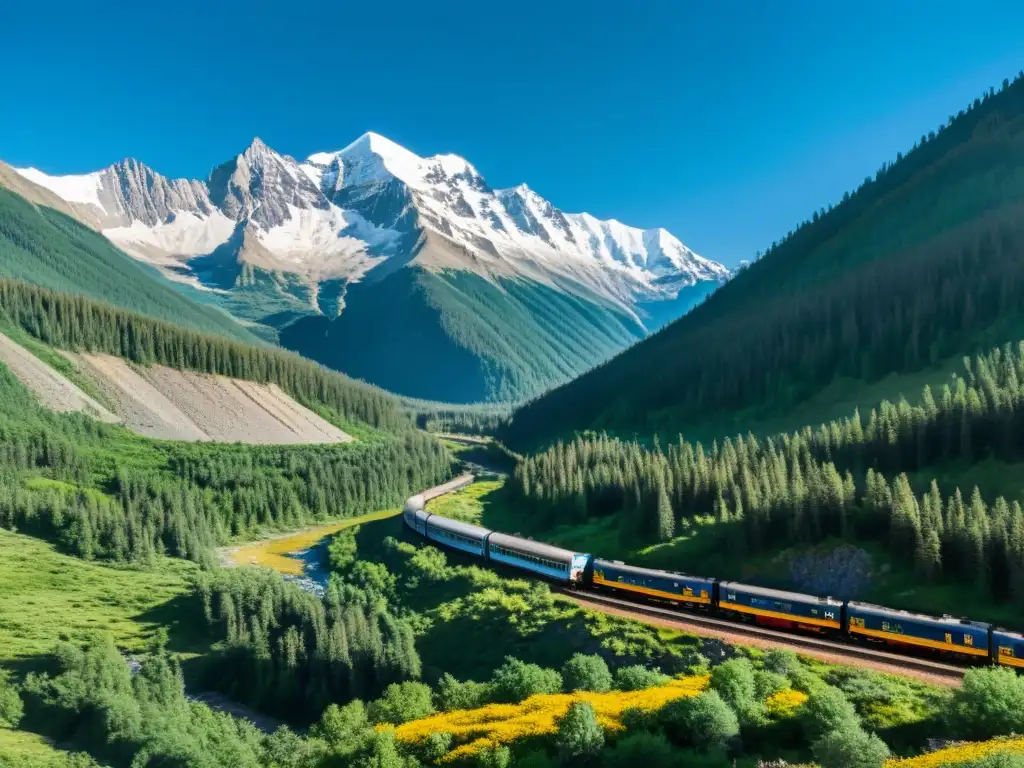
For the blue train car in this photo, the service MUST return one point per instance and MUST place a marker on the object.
(1008, 648)
(463, 536)
(792, 610)
(543, 559)
(665, 585)
(414, 514)
(959, 636)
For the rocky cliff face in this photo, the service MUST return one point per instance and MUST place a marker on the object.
(341, 214)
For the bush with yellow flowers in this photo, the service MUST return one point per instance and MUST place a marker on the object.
(476, 730)
(784, 703)
(961, 753)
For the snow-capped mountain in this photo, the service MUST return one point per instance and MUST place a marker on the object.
(339, 214)
(308, 250)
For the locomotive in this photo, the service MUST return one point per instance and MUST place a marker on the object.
(961, 639)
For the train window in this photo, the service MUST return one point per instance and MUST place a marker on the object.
(949, 637)
(1005, 650)
(968, 639)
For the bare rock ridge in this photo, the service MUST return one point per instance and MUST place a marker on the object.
(169, 404)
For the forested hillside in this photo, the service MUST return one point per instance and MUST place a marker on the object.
(921, 263)
(456, 337)
(76, 323)
(49, 249)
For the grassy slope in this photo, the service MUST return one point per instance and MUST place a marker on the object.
(48, 597)
(22, 749)
(455, 337)
(47, 248)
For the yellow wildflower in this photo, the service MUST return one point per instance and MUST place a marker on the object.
(783, 703)
(960, 753)
(475, 730)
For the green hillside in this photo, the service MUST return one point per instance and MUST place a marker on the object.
(919, 265)
(47, 248)
(455, 337)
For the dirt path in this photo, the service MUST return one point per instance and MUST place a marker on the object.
(53, 390)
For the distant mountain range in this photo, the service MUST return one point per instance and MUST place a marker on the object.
(412, 273)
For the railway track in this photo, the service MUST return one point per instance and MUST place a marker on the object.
(828, 650)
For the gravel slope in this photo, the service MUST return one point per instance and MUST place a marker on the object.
(169, 404)
(53, 390)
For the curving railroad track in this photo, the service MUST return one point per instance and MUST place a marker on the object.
(942, 673)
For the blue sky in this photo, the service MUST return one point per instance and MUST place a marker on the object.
(725, 122)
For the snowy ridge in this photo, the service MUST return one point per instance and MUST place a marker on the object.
(342, 214)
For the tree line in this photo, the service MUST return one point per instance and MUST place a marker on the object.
(866, 290)
(104, 493)
(291, 653)
(847, 478)
(75, 322)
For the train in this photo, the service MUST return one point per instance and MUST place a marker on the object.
(898, 630)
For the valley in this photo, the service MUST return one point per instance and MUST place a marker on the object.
(322, 451)
(494, 295)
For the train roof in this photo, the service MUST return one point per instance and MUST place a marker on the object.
(778, 594)
(881, 610)
(456, 526)
(414, 502)
(648, 571)
(531, 547)
(1007, 633)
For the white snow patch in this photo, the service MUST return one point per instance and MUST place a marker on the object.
(74, 189)
(186, 235)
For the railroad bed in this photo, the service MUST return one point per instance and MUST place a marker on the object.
(826, 650)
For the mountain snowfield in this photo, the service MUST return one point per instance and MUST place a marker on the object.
(277, 240)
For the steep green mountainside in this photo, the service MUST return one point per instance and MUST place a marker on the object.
(455, 337)
(919, 265)
(45, 247)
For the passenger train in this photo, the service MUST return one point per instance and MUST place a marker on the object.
(900, 630)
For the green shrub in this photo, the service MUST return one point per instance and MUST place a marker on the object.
(638, 677)
(579, 734)
(11, 707)
(401, 703)
(586, 673)
(767, 683)
(826, 711)
(989, 703)
(649, 750)
(735, 683)
(782, 662)
(343, 728)
(704, 721)
(453, 694)
(435, 746)
(515, 680)
(850, 748)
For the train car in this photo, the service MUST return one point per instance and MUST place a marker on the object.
(463, 536)
(543, 559)
(1008, 648)
(613, 575)
(902, 628)
(415, 515)
(773, 607)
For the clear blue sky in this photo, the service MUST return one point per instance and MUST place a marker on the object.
(725, 122)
